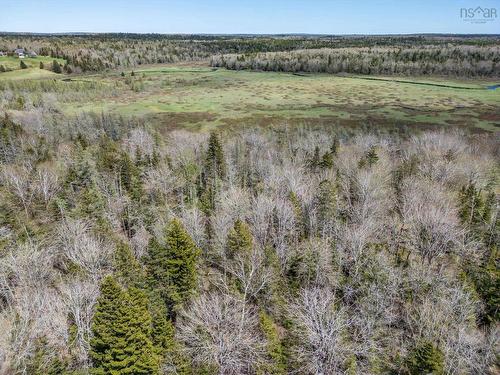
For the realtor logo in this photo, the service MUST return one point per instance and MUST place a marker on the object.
(478, 15)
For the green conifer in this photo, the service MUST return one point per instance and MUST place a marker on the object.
(171, 265)
(122, 330)
(56, 67)
(327, 161)
(107, 315)
(334, 148)
(426, 358)
(274, 348)
(239, 239)
(128, 270)
(215, 163)
(326, 203)
(315, 161)
(471, 206)
(298, 212)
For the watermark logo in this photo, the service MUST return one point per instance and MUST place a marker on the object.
(478, 14)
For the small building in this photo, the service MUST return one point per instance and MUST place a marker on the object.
(32, 54)
(19, 52)
(2, 53)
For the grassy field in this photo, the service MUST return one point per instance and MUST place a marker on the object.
(201, 97)
(13, 62)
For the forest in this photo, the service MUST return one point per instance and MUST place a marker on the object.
(271, 252)
(386, 54)
(457, 61)
(163, 212)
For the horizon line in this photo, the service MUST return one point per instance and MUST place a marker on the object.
(238, 34)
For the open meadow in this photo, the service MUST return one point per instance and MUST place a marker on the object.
(200, 97)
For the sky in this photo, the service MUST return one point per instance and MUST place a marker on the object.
(245, 17)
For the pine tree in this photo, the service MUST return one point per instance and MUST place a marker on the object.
(122, 331)
(326, 203)
(298, 213)
(426, 359)
(327, 161)
(239, 239)
(334, 148)
(163, 336)
(42, 362)
(107, 315)
(215, 163)
(214, 171)
(369, 159)
(274, 348)
(41, 65)
(23, 65)
(471, 206)
(128, 270)
(315, 161)
(130, 178)
(171, 265)
(139, 354)
(56, 67)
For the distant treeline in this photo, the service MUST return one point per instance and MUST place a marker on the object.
(98, 52)
(463, 60)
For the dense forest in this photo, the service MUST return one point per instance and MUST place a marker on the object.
(272, 251)
(98, 52)
(459, 61)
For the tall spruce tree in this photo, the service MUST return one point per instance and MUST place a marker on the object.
(298, 213)
(426, 358)
(326, 203)
(122, 331)
(215, 163)
(239, 239)
(128, 270)
(171, 265)
(214, 170)
(106, 316)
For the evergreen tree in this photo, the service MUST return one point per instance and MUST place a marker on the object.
(239, 239)
(334, 148)
(130, 178)
(23, 65)
(471, 206)
(122, 331)
(485, 278)
(90, 204)
(2, 69)
(327, 161)
(128, 270)
(315, 161)
(171, 265)
(274, 348)
(163, 336)
(43, 362)
(369, 159)
(326, 203)
(41, 65)
(298, 213)
(107, 315)
(215, 163)
(56, 68)
(426, 359)
(214, 170)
